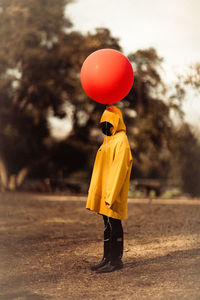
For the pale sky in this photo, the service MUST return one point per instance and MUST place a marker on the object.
(172, 26)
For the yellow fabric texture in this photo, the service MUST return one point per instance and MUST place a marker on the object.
(112, 169)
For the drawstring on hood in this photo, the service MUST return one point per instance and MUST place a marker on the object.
(113, 115)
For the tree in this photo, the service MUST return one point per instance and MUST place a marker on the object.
(152, 127)
(187, 159)
(30, 82)
(192, 77)
(40, 63)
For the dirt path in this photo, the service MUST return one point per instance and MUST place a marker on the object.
(46, 248)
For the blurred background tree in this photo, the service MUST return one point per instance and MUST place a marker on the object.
(30, 82)
(192, 77)
(40, 61)
(186, 159)
(39, 67)
(152, 126)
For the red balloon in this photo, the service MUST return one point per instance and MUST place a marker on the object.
(107, 76)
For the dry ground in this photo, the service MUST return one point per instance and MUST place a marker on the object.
(47, 244)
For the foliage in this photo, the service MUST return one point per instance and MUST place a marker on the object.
(152, 126)
(39, 68)
(192, 77)
(30, 79)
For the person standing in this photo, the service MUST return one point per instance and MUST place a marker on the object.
(109, 186)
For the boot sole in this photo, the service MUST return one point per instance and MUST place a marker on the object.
(99, 271)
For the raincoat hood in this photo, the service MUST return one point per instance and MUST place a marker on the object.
(113, 115)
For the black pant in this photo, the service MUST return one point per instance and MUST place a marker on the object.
(113, 228)
(113, 239)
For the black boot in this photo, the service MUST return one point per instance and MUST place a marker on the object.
(111, 267)
(115, 262)
(106, 256)
(102, 263)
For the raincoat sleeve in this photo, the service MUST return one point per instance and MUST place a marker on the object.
(118, 172)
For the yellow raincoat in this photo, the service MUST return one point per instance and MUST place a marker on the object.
(111, 173)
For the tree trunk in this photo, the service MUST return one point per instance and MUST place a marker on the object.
(13, 181)
(22, 174)
(139, 93)
(3, 175)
